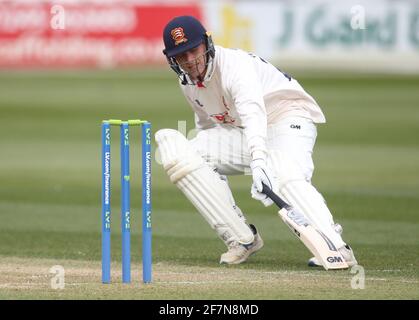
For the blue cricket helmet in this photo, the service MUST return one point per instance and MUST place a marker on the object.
(182, 34)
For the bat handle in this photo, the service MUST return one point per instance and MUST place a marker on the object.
(274, 197)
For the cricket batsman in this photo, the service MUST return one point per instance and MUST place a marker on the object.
(250, 117)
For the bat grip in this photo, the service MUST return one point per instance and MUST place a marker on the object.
(274, 197)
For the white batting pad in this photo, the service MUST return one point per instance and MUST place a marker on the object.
(204, 187)
(303, 196)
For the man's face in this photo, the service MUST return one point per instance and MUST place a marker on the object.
(193, 62)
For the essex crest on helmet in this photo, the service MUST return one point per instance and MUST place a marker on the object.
(178, 35)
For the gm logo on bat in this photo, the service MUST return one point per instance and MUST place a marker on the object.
(334, 259)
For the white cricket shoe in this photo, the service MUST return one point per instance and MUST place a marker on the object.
(238, 253)
(346, 252)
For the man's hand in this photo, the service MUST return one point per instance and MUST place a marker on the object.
(261, 173)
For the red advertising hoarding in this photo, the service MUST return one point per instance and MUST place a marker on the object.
(74, 34)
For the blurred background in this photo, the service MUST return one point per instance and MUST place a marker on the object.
(67, 65)
(375, 35)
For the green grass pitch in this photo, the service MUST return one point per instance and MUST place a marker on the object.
(367, 168)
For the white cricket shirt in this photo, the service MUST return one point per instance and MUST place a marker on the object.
(246, 91)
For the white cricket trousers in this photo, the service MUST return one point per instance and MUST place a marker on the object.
(225, 147)
(290, 144)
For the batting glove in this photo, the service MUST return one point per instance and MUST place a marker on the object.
(261, 173)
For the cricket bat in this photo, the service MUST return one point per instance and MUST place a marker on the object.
(315, 241)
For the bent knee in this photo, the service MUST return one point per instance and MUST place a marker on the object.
(178, 157)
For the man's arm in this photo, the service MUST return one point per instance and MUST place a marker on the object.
(247, 94)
